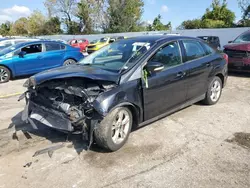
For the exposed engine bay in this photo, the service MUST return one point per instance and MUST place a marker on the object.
(65, 104)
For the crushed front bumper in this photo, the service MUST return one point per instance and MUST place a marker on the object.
(48, 117)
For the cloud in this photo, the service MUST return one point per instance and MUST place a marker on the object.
(13, 13)
(164, 8)
(4, 18)
(149, 21)
(17, 11)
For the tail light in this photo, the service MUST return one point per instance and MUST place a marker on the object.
(225, 56)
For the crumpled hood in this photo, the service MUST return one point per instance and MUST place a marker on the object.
(91, 72)
(238, 46)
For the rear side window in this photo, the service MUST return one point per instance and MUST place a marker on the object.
(194, 50)
(52, 46)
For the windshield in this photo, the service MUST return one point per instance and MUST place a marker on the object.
(94, 41)
(103, 39)
(245, 37)
(118, 56)
(9, 49)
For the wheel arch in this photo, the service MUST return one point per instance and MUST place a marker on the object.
(221, 76)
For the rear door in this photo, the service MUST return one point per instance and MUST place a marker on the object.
(199, 65)
(31, 62)
(54, 55)
(166, 89)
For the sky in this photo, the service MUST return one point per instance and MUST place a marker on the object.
(175, 11)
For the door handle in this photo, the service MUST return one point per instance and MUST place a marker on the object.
(180, 74)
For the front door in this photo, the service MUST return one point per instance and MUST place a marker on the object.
(166, 89)
(31, 62)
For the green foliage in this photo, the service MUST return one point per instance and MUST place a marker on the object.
(20, 27)
(36, 23)
(123, 16)
(217, 16)
(219, 12)
(84, 14)
(158, 25)
(5, 28)
(191, 24)
(53, 26)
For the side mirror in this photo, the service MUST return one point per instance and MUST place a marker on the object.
(230, 41)
(22, 53)
(154, 67)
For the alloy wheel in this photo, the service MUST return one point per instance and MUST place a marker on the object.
(3, 75)
(215, 91)
(120, 126)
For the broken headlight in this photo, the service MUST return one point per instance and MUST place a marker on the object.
(30, 82)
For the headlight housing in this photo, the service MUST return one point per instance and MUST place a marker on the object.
(30, 82)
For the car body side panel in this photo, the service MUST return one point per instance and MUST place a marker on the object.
(127, 94)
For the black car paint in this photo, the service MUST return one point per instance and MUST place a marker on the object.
(167, 91)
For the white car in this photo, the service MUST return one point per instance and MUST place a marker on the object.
(10, 42)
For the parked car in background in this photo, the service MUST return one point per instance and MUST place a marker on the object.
(106, 94)
(214, 41)
(79, 43)
(92, 47)
(33, 57)
(238, 52)
(9, 42)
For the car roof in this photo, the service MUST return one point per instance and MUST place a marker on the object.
(158, 38)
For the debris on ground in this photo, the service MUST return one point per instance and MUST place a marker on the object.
(28, 165)
(48, 150)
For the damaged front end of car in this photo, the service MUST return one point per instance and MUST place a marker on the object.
(65, 104)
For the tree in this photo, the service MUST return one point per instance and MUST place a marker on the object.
(84, 14)
(64, 9)
(191, 24)
(123, 16)
(217, 16)
(53, 26)
(158, 25)
(245, 8)
(5, 28)
(36, 23)
(20, 27)
(219, 12)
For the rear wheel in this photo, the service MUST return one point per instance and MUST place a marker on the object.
(214, 91)
(69, 62)
(114, 130)
(4, 74)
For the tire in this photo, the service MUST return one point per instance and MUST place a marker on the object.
(5, 74)
(69, 62)
(214, 91)
(108, 135)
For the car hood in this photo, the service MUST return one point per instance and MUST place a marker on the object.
(238, 46)
(74, 71)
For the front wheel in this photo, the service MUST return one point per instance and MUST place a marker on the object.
(69, 62)
(214, 91)
(4, 74)
(114, 129)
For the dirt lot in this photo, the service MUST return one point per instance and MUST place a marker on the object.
(200, 146)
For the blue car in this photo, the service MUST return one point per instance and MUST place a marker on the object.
(36, 56)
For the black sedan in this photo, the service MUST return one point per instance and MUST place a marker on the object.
(125, 85)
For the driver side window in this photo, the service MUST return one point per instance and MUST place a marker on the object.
(34, 48)
(168, 55)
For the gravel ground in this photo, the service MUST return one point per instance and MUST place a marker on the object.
(199, 146)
